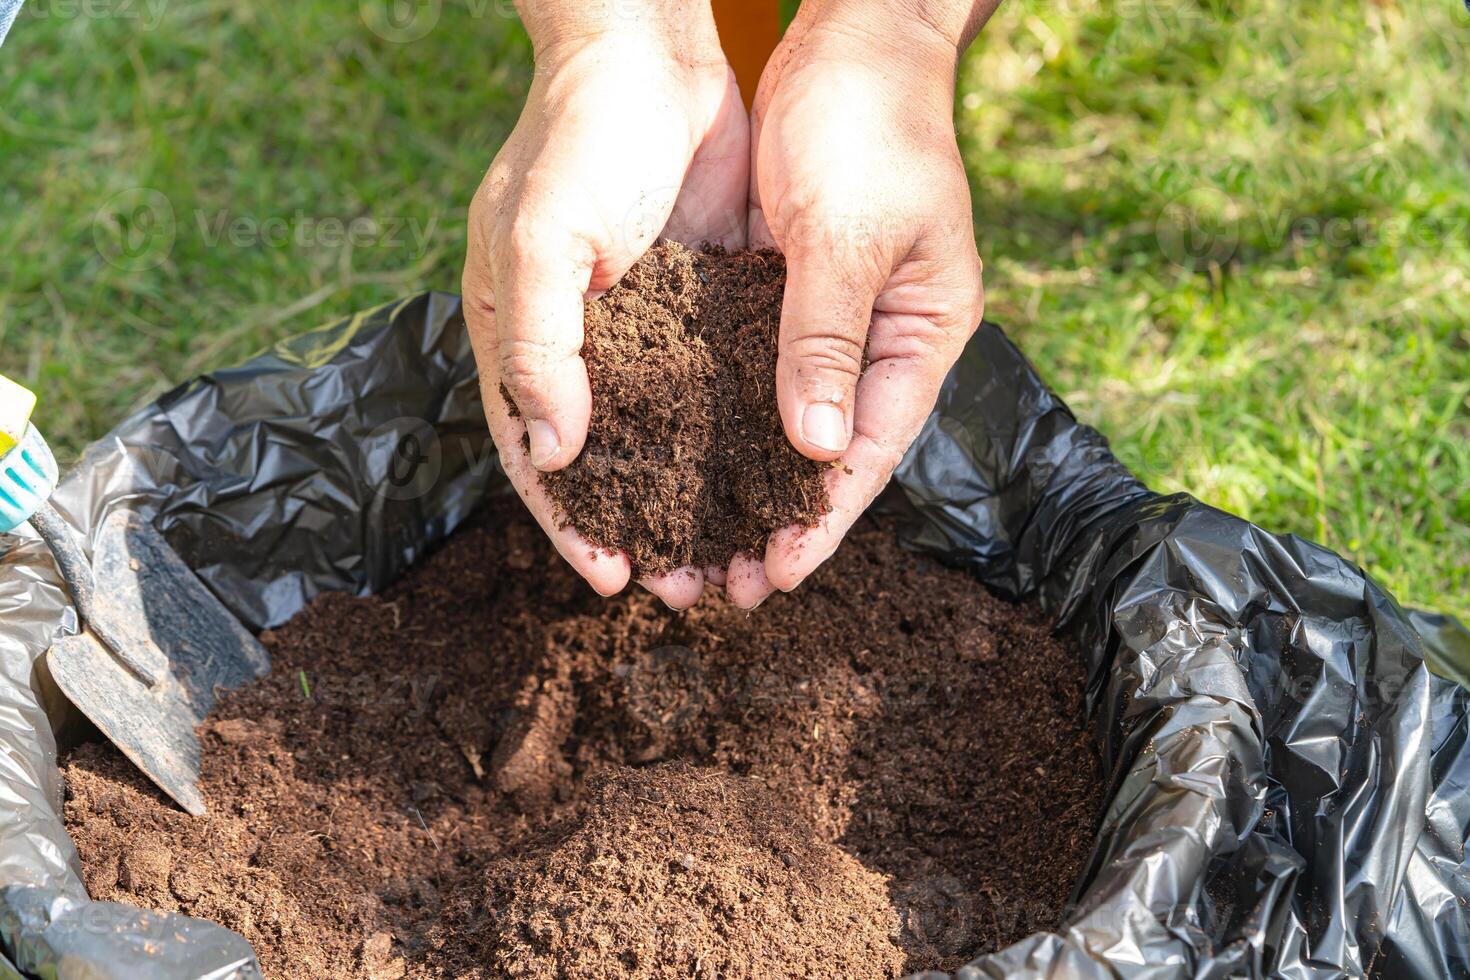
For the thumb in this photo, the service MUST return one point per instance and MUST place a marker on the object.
(825, 313)
(539, 343)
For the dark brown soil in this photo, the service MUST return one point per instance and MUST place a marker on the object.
(486, 772)
(686, 462)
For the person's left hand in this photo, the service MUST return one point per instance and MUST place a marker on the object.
(857, 178)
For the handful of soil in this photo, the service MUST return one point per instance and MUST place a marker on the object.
(686, 462)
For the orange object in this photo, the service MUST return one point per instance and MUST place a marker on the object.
(749, 30)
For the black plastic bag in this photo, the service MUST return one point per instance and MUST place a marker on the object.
(1287, 778)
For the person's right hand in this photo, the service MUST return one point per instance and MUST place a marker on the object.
(633, 128)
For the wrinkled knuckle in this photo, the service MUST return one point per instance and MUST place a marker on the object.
(478, 299)
(821, 358)
(929, 340)
(523, 365)
(964, 303)
(962, 312)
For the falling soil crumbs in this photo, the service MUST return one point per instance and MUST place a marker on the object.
(686, 462)
(487, 771)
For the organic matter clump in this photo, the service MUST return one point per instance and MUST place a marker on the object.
(686, 461)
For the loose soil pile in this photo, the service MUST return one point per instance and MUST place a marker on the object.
(486, 771)
(678, 871)
(686, 462)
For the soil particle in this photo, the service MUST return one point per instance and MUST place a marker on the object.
(496, 773)
(686, 460)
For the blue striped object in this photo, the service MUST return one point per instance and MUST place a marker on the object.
(9, 8)
(27, 477)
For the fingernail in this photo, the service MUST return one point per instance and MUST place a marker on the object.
(544, 443)
(824, 426)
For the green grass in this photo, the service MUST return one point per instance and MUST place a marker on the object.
(1234, 236)
(1238, 243)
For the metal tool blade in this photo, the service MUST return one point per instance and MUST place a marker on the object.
(142, 583)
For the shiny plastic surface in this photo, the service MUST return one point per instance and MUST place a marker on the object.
(1287, 779)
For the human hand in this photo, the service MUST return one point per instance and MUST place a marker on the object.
(857, 178)
(633, 128)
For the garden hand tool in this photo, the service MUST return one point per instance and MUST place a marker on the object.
(156, 645)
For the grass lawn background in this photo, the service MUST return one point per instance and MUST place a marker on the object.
(1234, 236)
